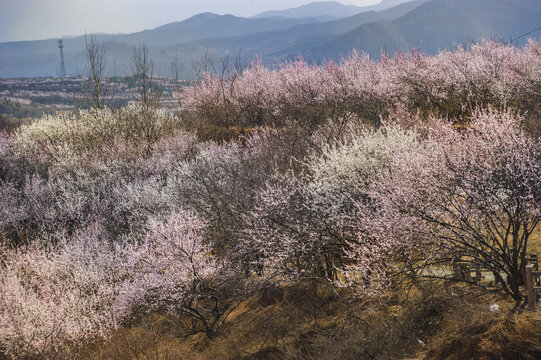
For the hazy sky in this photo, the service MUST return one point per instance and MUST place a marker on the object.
(41, 19)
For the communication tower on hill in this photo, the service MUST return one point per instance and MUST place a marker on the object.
(62, 71)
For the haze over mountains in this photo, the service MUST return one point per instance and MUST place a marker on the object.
(318, 31)
(327, 10)
(438, 24)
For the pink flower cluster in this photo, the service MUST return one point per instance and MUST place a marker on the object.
(450, 83)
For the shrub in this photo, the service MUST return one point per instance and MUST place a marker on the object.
(305, 226)
(53, 297)
(57, 137)
(221, 184)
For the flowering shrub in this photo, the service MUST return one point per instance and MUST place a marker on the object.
(90, 128)
(305, 227)
(69, 289)
(68, 202)
(69, 139)
(53, 296)
(455, 83)
(221, 184)
(174, 270)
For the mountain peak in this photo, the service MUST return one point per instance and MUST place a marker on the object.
(204, 16)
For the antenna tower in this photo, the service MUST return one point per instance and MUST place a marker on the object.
(62, 66)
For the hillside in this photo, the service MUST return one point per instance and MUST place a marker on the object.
(362, 210)
(205, 26)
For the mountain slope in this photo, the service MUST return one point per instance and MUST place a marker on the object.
(206, 26)
(202, 26)
(202, 34)
(436, 25)
(40, 58)
(296, 37)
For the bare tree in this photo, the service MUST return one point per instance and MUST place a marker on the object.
(176, 70)
(226, 71)
(143, 70)
(204, 66)
(96, 92)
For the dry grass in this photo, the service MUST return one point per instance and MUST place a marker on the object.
(311, 322)
(534, 245)
(485, 337)
(262, 327)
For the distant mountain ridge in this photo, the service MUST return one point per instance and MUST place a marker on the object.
(327, 9)
(206, 26)
(429, 25)
(299, 36)
(40, 58)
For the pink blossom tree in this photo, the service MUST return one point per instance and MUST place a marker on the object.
(452, 83)
(55, 296)
(174, 270)
(304, 226)
(473, 196)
